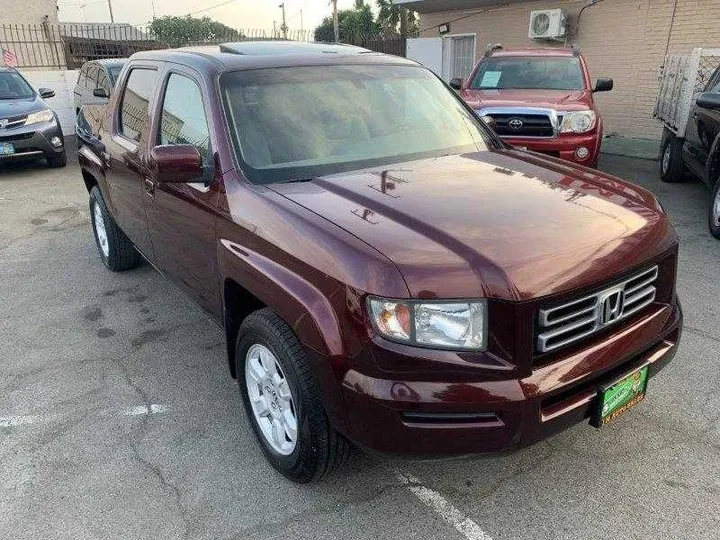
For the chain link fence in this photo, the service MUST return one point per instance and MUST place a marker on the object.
(68, 46)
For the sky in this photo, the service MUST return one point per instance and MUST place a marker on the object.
(239, 14)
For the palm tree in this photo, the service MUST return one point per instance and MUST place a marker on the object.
(391, 16)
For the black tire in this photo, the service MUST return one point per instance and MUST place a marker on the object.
(713, 213)
(319, 449)
(121, 254)
(672, 168)
(56, 161)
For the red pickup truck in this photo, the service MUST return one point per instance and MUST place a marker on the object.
(381, 276)
(539, 99)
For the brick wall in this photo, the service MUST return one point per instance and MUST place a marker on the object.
(622, 39)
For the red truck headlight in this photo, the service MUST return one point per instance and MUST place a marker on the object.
(578, 122)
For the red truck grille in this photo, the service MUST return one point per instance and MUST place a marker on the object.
(523, 125)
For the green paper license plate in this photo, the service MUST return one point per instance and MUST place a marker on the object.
(620, 396)
(6, 149)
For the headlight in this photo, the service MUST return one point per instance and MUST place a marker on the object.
(578, 122)
(444, 324)
(40, 116)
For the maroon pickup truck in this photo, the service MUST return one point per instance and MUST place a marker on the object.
(386, 271)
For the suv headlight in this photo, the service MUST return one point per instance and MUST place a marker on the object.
(578, 122)
(448, 324)
(39, 116)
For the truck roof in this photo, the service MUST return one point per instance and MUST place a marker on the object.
(264, 54)
(547, 51)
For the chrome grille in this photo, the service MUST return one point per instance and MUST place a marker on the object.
(564, 324)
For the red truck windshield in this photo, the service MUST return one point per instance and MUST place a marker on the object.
(533, 73)
(300, 122)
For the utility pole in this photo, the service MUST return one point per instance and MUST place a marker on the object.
(301, 23)
(284, 27)
(336, 29)
(112, 19)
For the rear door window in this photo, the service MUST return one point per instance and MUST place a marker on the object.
(138, 92)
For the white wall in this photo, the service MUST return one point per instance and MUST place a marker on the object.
(63, 82)
(427, 51)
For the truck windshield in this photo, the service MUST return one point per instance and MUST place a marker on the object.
(531, 72)
(13, 86)
(301, 122)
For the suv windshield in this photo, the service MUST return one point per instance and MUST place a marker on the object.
(301, 122)
(532, 72)
(13, 86)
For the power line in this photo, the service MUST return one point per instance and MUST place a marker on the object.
(226, 2)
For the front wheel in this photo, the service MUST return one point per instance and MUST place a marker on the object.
(282, 400)
(672, 168)
(714, 211)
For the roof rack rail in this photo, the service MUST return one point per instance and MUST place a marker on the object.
(490, 49)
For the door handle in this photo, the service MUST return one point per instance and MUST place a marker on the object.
(149, 186)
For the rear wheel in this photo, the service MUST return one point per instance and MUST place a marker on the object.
(714, 210)
(115, 249)
(672, 168)
(282, 400)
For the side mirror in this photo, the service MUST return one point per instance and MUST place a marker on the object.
(101, 93)
(176, 164)
(709, 100)
(603, 85)
(46, 93)
(456, 83)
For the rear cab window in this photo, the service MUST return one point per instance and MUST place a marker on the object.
(133, 120)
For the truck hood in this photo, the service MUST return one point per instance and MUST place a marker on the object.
(497, 224)
(565, 100)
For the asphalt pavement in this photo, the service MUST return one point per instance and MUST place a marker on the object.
(118, 417)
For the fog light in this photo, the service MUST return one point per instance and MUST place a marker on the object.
(582, 152)
(56, 142)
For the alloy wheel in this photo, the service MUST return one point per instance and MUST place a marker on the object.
(100, 230)
(666, 158)
(271, 399)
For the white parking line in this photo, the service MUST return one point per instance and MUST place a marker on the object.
(442, 507)
(24, 420)
(143, 409)
(12, 421)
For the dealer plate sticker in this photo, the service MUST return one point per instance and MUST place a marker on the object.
(6, 148)
(620, 396)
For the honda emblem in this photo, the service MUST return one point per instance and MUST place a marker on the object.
(612, 307)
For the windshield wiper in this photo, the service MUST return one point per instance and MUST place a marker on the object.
(296, 180)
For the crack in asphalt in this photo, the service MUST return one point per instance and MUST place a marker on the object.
(699, 332)
(322, 510)
(155, 470)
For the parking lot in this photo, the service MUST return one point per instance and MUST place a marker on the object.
(118, 417)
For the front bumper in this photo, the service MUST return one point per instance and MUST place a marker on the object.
(431, 419)
(33, 141)
(564, 146)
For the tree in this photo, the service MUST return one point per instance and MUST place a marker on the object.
(183, 31)
(355, 25)
(392, 19)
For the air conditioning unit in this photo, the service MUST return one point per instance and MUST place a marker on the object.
(548, 24)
